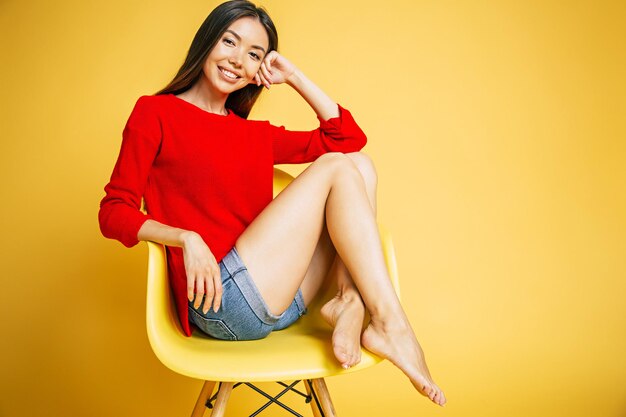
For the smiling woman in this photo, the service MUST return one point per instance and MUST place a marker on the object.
(235, 60)
(242, 264)
(236, 36)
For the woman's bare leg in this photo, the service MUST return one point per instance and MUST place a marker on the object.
(278, 245)
(346, 312)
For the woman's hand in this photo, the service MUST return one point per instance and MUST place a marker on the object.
(203, 273)
(275, 69)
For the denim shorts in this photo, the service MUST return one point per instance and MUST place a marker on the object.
(243, 314)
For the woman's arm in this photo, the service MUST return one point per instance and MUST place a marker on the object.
(277, 69)
(338, 132)
(203, 272)
(120, 216)
(154, 231)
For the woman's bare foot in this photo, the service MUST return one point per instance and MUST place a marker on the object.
(398, 344)
(345, 313)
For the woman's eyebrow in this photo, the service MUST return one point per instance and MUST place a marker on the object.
(236, 35)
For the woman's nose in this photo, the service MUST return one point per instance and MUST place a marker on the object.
(235, 57)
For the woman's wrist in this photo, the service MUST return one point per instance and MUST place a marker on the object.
(295, 79)
(187, 237)
(154, 231)
(323, 105)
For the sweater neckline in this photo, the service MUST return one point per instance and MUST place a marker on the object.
(230, 112)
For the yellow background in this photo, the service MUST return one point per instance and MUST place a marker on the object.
(499, 135)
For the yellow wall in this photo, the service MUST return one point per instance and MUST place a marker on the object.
(499, 135)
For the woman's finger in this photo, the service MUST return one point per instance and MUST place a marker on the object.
(268, 63)
(191, 286)
(266, 74)
(217, 284)
(271, 57)
(199, 292)
(208, 295)
(261, 78)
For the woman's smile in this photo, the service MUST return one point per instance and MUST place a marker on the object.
(229, 74)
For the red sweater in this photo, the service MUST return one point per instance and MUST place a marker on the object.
(209, 173)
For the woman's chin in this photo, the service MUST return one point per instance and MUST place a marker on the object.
(231, 88)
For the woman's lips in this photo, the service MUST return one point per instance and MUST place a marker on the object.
(229, 74)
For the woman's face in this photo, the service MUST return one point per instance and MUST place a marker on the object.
(237, 56)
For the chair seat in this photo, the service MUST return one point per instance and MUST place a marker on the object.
(301, 351)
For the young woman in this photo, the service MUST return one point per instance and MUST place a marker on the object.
(241, 264)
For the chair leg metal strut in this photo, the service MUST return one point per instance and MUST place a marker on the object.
(317, 395)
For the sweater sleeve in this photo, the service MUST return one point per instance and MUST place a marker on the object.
(338, 134)
(120, 214)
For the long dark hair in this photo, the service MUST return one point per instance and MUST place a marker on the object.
(242, 100)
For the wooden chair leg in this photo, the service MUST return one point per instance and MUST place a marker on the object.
(219, 409)
(313, 403)
(319, 386)
(205, 393)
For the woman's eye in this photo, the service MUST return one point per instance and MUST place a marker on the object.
(255, 56)
(229, 41)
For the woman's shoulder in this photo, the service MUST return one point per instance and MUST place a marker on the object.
(148, 113)
(152, 101)
(151, 107)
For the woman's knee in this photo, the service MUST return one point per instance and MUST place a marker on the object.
(365, 165)
(337, 162)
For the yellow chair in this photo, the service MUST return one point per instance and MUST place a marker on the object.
(303, 351)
